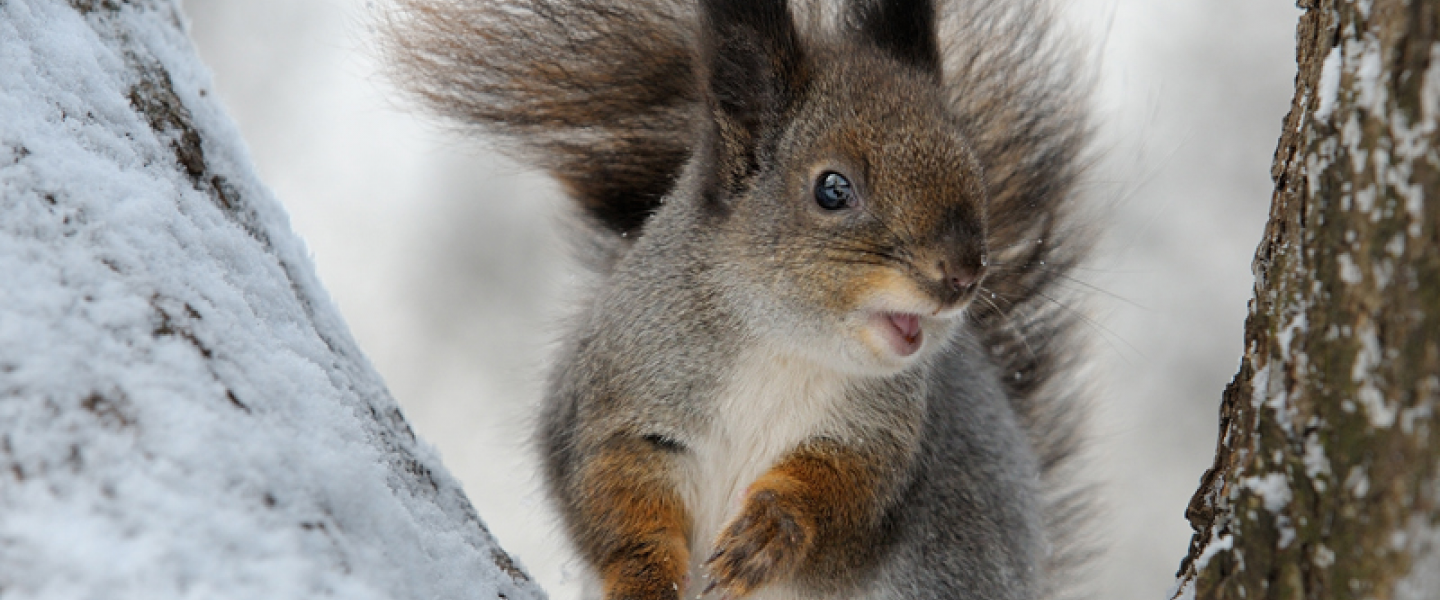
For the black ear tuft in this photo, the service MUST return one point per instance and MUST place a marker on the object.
(754, 73)
(907, 29)
(753, 53)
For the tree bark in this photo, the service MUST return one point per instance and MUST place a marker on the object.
(182, 411)
(1325, 478)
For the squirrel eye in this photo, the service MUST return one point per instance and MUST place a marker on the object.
(833, 191)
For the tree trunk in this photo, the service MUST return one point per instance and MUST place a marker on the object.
(1325, 478)
(182, 411)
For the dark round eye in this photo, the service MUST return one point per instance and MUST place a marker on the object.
(833, 191)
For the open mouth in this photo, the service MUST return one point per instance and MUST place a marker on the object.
(902, 331)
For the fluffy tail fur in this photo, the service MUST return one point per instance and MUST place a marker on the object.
(604, 94)
(601, 93)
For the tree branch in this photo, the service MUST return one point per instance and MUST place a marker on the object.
(183, 410)
(1325, 478)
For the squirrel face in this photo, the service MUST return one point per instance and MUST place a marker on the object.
(863, 231)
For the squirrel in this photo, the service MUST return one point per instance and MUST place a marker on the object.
(823, 355)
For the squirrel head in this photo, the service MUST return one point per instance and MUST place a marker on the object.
(851, 212)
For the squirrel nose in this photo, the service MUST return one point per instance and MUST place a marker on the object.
(961, 278)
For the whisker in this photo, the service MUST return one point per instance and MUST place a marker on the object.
(1109, 336)
(836, 242)
(1102, 291)
(1006, 321)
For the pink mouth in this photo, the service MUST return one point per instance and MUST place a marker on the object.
(903, 332)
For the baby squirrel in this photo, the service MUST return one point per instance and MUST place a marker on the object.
(822, 358)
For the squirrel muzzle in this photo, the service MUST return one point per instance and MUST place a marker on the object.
(950, 268)
(955, 279)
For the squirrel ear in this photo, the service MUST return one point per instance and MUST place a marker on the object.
(753, 53)
(907, 29)
(754, 71)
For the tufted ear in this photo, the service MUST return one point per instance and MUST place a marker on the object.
(754, 73)
(907, 29)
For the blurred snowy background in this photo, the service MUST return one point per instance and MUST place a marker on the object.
(446, 262)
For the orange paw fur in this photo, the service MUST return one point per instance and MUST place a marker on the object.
(765, 542)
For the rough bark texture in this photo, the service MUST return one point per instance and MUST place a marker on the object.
(182, 411)
(1325, 478)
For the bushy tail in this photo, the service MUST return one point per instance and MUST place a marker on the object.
(601, 93)
(1021, 90)
(604, 95)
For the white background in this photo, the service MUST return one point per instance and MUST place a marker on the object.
(446, 262)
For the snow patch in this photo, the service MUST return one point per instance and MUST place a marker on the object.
(1384, 274)
(1381, 413)
(1367, 358)
(1286, 529)
(1396, 246)
(1182, 590)
(1273, 489)
(1316, 163)
(1223, 543)
(1393, 166)
(1298, 323)
(1324, 556)
(1352, 135)
(1419, 415)
(1372, 93)
(1365, 197)
(1358, 482)
(1317, 464)
(1349, 271)
(1421, 541)
(1270, 392)
(185, 414)
(1329, 91)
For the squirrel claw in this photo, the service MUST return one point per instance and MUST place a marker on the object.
(764, 543)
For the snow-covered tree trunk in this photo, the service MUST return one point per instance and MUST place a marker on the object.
(1325, 482)
(182, 411)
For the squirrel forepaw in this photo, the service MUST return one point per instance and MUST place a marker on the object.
(765, 542)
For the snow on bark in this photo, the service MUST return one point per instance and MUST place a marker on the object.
(182, 412)
(1326, 482)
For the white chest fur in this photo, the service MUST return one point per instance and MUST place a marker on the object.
(769, 406)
